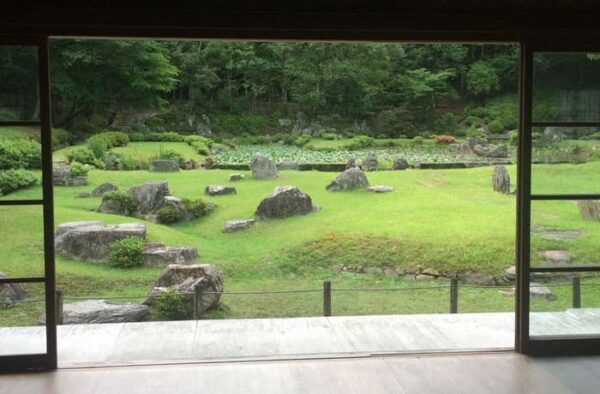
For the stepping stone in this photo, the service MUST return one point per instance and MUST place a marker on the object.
(535, 290)
(380, 189)
(236, 177)
(558, 256)
(237, 225)
(216, 190)
(558, 235)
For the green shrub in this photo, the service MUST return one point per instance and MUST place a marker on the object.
(167, 136)
(99, 146)
(115, 138)
(287, 138)
(127, 253)
(331, 136)
(473, 121)
(360, 142)
(125, 199)
(197, 208)
(514, 138)
(78, 169)
(173, 305)
(417, 141)
(302, 140)
(238, 123)
(446, 122)
(15, 179)
(473, 132)
(496, 126)
(20, 153)
(61, 138)
(82, 155)
(168, 214)
(169, 154)
(127, 162)
(200, 144)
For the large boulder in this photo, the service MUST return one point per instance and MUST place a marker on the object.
(92, 241)
(217, 190)
(159, 255)
(61, 176)
(589, 209)
(263, 168)
(171, 165)
(10, 293)
(400, 164)
(492, 152)
(369, 163)
(184, 279)
(352, 178)
(501, 180)
(103, 188)
(101, 311)
(150, 196)
(285, 201)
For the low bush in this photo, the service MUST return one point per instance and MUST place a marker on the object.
(173, 305)
(514, 138)
(200, 144)
(445, 139)
(473, 133)
(286, 138)
(168, 136)
(20, 153)
(127, 162)
(169, 154)
(115, 138)
(78, 169)
(237, 123)
(125, 199)
(302, 140)
(61, 138)
(360, 142)
(332, 136)
(417, 141)
(496, 126)
(197, 208)
(82, 155)
(127, 253)
(15, 179)
(168, 214)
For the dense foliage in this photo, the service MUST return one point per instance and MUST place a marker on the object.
(11, 180)
(127, 253)
(20, 153)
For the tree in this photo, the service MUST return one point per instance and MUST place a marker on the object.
(482, 80)
(103, 76)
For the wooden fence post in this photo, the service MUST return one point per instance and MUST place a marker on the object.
(327, 298)
(454, 295)
(576, 301)
(59, 307)
(197, 301)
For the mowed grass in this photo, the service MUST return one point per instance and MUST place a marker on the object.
(444, 219)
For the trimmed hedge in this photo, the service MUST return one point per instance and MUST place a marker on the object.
(127, 253)
(20, 153)
(11, 180)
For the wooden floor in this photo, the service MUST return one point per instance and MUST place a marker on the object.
(318, 337)
(496, 373)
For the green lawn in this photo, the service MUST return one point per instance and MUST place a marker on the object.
(443, 219)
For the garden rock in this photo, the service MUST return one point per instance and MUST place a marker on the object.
(185, 278)
(285, 201)
(380, 189)
(178, 204)
(209, 163)
(497, 152)
(10, 293)
(352, 178)
(101, 311)
(509, 274)
(476, 278)
(288, 165)
(115, 206)
(263, 168)
(164, 165)
(369, 163)
(472, 142)
(203, 128)
(103, 188)
(92, 241)
(535, 290)
(61, 176)
(236, 177)
(159, 255)
(351, 163)
(189, 165)
(501, 180)
(216, 190)
(150, 195)
(237, 225)
(589, 209)
(400, 164)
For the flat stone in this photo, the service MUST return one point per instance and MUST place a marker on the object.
(217, 190)
(10, 293)
(103, 188)
(101, 311)
(535, 290)
(236, 177)
(163, 165)
(559, 235)
(380, 189)
(373, 271)
(237, 225)
(89, 241)
(477, 278)
(558, 256)
(288, 165)
(159, 255)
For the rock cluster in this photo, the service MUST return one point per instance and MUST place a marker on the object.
(285, 201)
(480, 147)
(350, 179)
(61, 176)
